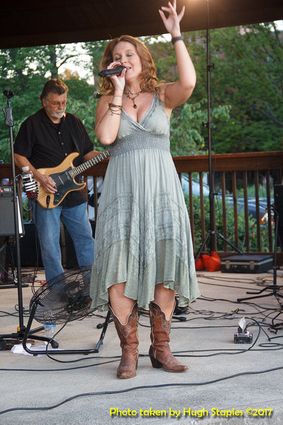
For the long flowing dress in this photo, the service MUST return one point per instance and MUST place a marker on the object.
(143, 234)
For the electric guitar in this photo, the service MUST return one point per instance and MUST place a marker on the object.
(64, 177)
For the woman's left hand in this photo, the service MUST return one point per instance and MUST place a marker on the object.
(172, 21)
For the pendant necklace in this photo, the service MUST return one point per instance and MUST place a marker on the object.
(132, 97)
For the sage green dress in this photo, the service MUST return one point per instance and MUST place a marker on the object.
(143, 234)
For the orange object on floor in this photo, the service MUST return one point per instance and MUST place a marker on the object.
(213, 263)
(199, 263)
(209, 262)
(205, 259)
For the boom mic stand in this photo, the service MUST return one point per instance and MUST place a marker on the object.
(6, 340)
(212, 234)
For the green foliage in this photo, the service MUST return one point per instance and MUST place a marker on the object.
(79, 89)
(246, 87)
(85, 111)
(247, 75)
(186, 122)
(95, 51)
(188, 134)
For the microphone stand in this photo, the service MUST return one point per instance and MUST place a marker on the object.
(274, 289)
(8, 340)
(10, 123)
(212, 233)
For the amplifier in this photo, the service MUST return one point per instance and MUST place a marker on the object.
(246, 263)
(7, 222)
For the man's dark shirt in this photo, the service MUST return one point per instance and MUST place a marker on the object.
(46, 145)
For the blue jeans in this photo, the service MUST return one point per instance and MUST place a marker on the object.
(47, 223)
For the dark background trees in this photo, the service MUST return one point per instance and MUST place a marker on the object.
(246, 87)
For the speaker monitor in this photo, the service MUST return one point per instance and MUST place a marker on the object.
(7, 222)
(29, 243)
(29, 248)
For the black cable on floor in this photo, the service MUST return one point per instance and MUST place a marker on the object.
(141, 387)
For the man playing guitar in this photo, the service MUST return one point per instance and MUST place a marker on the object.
(45, 140)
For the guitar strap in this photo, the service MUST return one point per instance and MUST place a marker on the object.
(79, 132)
(75, 130)
(75, 141)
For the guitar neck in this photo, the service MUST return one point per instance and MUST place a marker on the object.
(88, 164)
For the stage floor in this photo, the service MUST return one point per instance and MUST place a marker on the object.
(240, 381)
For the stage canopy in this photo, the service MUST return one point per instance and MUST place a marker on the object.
(39, 22)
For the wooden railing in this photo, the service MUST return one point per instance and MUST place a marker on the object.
(243, 183)
(242, 199)
(242, 193)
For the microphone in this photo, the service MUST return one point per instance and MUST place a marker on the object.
(111, 71)
(30, 186)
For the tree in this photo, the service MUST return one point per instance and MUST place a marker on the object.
(248, 77)
(25, 70)
(95, 50)
(246, 83)
(188, 132)
(246, 90)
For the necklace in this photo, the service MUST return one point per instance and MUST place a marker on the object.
(132, 97)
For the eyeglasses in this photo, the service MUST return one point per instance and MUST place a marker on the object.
(57, 102)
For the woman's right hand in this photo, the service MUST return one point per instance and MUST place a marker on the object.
(117, 80)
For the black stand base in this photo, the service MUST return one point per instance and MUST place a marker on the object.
(274, 293)
(7, 284)
(214, 234)
(9, 340)
(10, 283)
(55, 345)
(274, 288)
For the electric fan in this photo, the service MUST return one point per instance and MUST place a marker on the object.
(64, 298)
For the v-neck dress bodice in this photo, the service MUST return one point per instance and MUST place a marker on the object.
(152, 132)
(143, 234)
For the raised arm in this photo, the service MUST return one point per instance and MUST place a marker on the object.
(178, 92)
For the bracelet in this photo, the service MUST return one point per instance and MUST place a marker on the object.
(115, 109)
(175, 39)
(112, 105)
(114, 113)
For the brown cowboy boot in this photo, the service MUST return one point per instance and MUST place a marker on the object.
(159, 352)
(128, 335)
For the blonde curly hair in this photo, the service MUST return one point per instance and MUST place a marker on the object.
(148, 78)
